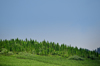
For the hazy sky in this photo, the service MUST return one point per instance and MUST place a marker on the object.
(75, 22)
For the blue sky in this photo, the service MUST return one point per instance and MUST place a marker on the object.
(72, 22)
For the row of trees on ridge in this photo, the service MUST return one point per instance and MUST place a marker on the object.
(44, 48)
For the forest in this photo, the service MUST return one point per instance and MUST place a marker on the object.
(45, 48)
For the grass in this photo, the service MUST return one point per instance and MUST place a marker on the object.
(13, 61)
(37, 60)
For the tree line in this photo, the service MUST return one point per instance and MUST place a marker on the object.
(44, 48)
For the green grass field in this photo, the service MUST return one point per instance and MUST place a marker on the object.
(37, 60)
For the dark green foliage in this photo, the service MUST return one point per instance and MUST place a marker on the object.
(99, 56)
(45, 48)
(93, 57)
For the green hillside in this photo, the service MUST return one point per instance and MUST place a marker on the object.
(27, 59)
(44, 48)
(16, 52)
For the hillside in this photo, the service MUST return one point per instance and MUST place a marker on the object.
(44, 48)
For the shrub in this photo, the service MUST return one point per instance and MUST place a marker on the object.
(65, 55)
(75, 57)
(54, 53)
(93, 57)
(24, 53)
(3, 51)
(6, 52)
(10, 53)
(20, 53)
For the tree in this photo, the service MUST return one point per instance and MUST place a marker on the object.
(57, 47)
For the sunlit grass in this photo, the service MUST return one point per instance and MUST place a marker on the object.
(13, 61)
(37, 60)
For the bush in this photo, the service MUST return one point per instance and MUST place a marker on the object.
(24, 53)
(75, 57)
(65, 55)
(93, 57)
(54, 53)
(6, 52)
(10, 53)
(3, 51)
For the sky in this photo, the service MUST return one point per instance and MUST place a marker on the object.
(72, 22)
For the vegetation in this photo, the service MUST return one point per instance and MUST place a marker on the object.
(27, 59)
(75, 57)
(44, 48)
(31, 52)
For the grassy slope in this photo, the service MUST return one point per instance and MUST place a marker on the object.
(35, 60)
(13, 61)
